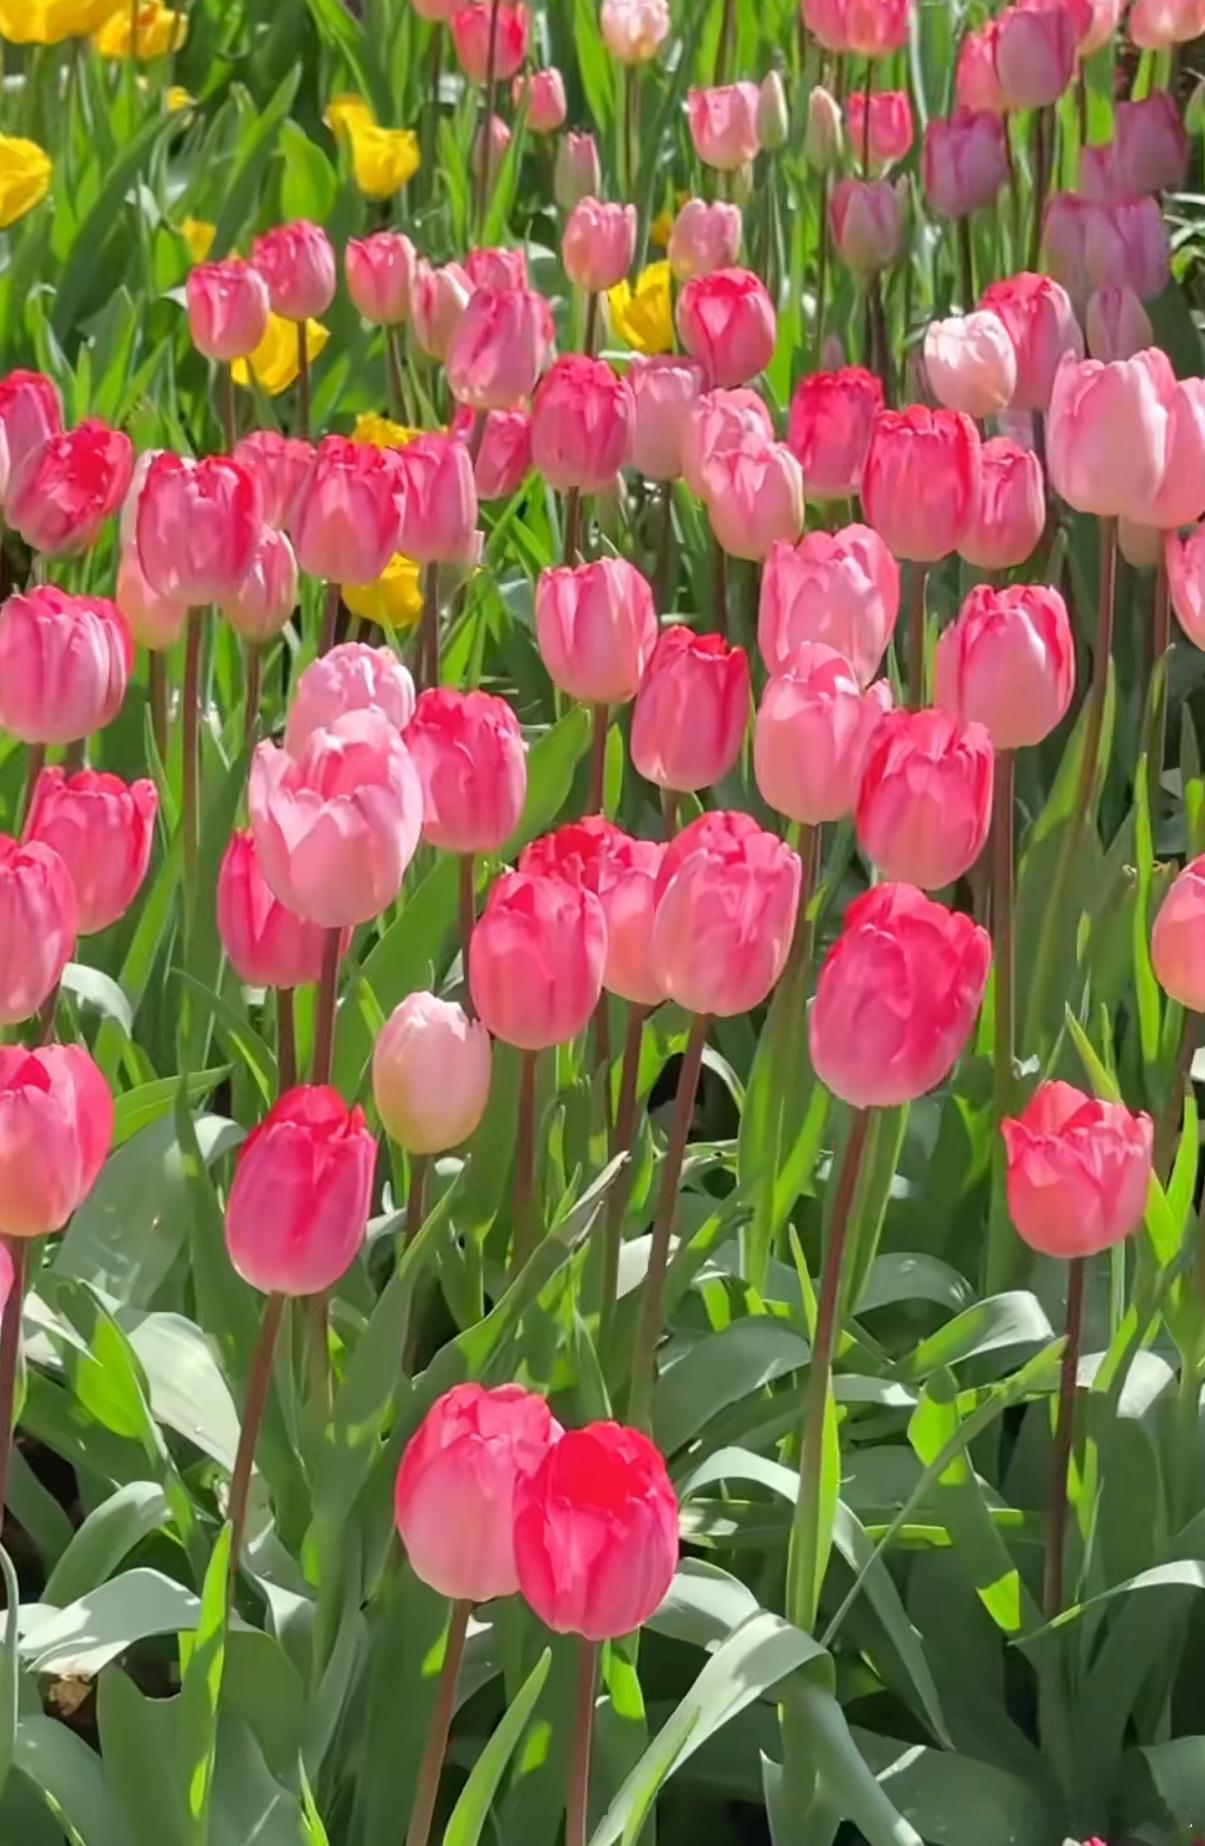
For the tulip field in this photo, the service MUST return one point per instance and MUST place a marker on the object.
(602, 922)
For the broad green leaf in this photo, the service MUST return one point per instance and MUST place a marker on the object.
(203, 1658)
(469, 1816)
(106, 1537)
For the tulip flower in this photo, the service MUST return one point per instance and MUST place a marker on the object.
(1040, 321)
(60, 495)
(1108, 433)
(1117, 324)
(380, 270)
(965, 165)
(1010, 515)
(921, 481)
(471, 761)
(716, 421)
(500, 345)
(31, 411)
(1178, 939)
(976, 81)
(1150, 145)
(723, 125)
(867, 225)
(499, 267)
(883, 129)
(706, 236)
(349, 678)
(431, 1079)
(633, 31)
(581, 425)
(39, 915)
(155, 622)
(345, 526)
(971, 363)
(281, 465)
(1155, 25)
(536, 962)
(438, 500)
(197, 525)
(227, 309)
(438, 298)
(622, 873)
(298, 264)
(868, 28)
(839, 589)
(1035, 55)
(64, 665)
(597, 628)
(726, 321)
(56, 1127)
(824, 138)
(1180, 498)
(1185, 561)
(577, 174)
(664, 390)
(754, 495)
(925, 801)
(1008, 663)
(102, 829)
(814, 727)
(599, 244)
(831, 421)
(542, 94)
(491, 42)
(266, 943)
(690, 713)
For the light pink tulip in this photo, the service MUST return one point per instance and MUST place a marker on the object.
(839, 589)
(814, 725)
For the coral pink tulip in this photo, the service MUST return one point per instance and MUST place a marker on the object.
(1180, 498)
(542, 94)
(691, 711)
(476, 26)
(965, 162)
(582, 422)
(599, 244)
(976, 82)
(504, 457)
(868, 28)
(832, 417)
(840, 589)
(1178, 939)
(499, 347)
(31, 412)
(577, 174)
(665, 388)
(1035, 55)
(349, 678)
(726, 321)
(1040, 321)
(299, 1201)
(1185, 561)
(56, 1127)
(379, 271)
(266, 943)
(1155, 25)
(438, 299)
(867, 223)
(457, 1485)
(925, 803)
(281, 465)
(438, 498)
(39, 915)
(1118, 326)
(814, 725)
(1108, 432)
(155, 621)
(345, 527)
(1008, 663)
(888, 138)
(622, 873)
(60, 496)
(102, 829)
(920, 487)
(720, 420)
(1010, 514)
(723, 125)
(197, 524)
(727, 897)
(430, 1074)
(227, 309)
(336, 827)
(267, 595)
(754, 495)
(471, 760)
(971, 363)
(1077, 1171)
(597, 627)
(634, 30)
(536, 960)
(298, 264)
(706, 236)
(64, 665)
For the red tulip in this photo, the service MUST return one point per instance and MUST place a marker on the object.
(438, 501)
(471, 760)
(1008, 663)
(31, 411)
(474, 26)
(504, 458)
(542, 94)
(890, 135)
(61, 494)
(1040, 321)
(1010, 516)
(832, 418)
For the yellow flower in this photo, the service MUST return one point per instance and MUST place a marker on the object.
(274, 360)
(178, 98)
(382, 159)
(24, 178)
(642, 316)
(47, 22)
(345, 110)
(660, 228)
(198, 235)
(381, 432)
(160, 32)
(395, 600)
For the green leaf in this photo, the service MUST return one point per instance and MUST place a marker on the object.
(71, 1780)
(1000, 1322)
(309, 187)
(8, 1667)
(139, 1739)
(78, 1641)
(203, 1657)
(106, 1537)
(254, 148)
(721, 1370)
(471, 1812)
(844, 1775)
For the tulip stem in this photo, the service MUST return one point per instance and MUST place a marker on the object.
(191, 722)
(523, 1196)
(577, 1803)
(803, 1566)
(867, 93)
(822, 262)
(573, 522)
(966, 252)
(1041, 161)
(1014, 190)
(10, 1352)
(1161, 640)
(916, 635)
(468, 922)
(720, 580)
(426, 1791)
(330, 619)
(631, 127)
(665, 550)
(652, 1303)
(428, 646)
(416, 1197)
(303, 379)
(622, 1136)
(881, 343)
(253, 675)
(35, 762)
(328, 995)
(258, 1384)
(397, 375)
(229, 408)
(286, 1040)
(598, 760)
(1064, 1432)
(1100, 673)
(156, 668)
(590, 336)
(670, 800)
(1003, 793)
(431, 118)
(487, 119)
(602, 1055)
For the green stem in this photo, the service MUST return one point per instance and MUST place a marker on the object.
(1003, 794)
(10, 1353)
(598, 760)
(253, 657)
(286, 1040)
(523, 1195)
(918, 590)
(1064, 1432)
(573, 522)
(258, 1385)
(416, 1197)
(622, 1140)
(1100, 672)
(330, 619)
(35, 762)
(328, 995)
(467, 911)
(487, 117)
(303, 379)
(190, 717)
(229, 409)
(156, 670)
(426, 1790)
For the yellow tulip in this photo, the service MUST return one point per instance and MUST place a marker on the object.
(24, 178)
(381, 432)
(643, 315)
(177, 98)
(395, 600)
(274, 360)
(344, 110)
(382, 159)
(160, 31)
(48, 22)
(198, 237)
(660, 228)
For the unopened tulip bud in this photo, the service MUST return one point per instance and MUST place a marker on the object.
(723, 125)
(438, 299)
(839, 589)
(867, 223)
(773, 115)
(430, 1074)
(267, 595)
(64, 664)
(379, 272)
(706, 236)
(471, 761)
(298, 264)
(542, 94)
(813, 729)
(824, 140)
(536, 960)
(599, 244)
(1010, 515)
(227, 309)
(1008, 663)
(578, 171)
(691, 710)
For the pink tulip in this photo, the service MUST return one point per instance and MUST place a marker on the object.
(471, 761)
(921, 483)
(599, 244)
(622, 873)
(634, 30)
(726, 321)
(1090, 244)
(349, 678)
(430, 1074)
(1118, 325)
(1178, 939)
(1077, 1171)
(896, 998)
(267, 595)
(596, 1533)
(1108, 432)
(155, 622)
(266, 943)
(1185, 561)
(691, 711)
(1105, 17)
(498, 267)
(281, 465)
(299, 1202)
(380, 270)
(1180, 498)
(64, 665)
(197, 525)
(438, 497)
(839, 589)
(824, 136)
(971, 363)
(1155, 25)
(577, 173)
(665, 389)
(536, 960)
(227, 309)
(754, 496)
(965, 162)
(1035, 55)
(497, 136)
(723, 125)
(720, 420)
(925, 803)
(976, 83)
(1040, 321)
(597, 627)
(479, 25)
(1151, 145)
(298, 264)
(438, 299)
(542, 94)
(1008, 663)
(582, 422)
(504, 458)
(31, 412)
(501, 344)
(832, 418)
(59, 497)
(889, 138)
(345, 528)
(39, 914)
(813, 729)
(102, 829)
(56, 1127)
(457, 1485)
(727, 898)
(1010, 514)
(336, 827)
(868, 28)
(867, 224)
(706, 236)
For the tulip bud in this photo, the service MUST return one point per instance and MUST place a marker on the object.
(345, 527)
(1040, 321)
(664, 389)
(1156, 25)
(490, 38)
(597, 628)
(298, 1205)
(56, 1127)
(1035, 55)
(622, 873)
(925, 803)
(267, 596)
(542, 94)
(266, 943)
(1180, 497)
(454, 1502)
(155, 622)
(1118, 325)
(773, 114)
(1008, 663)
(824, 139)
(726, 321)
(1077, 1171)
(599, 244)
(536, 960)
(1010, 514)
(691, 711)
(227, 309)
(581, 424)
(832, 416)
(577, 174)
(720, 420)
(430, 1074)
(298, 264)
(885, 136)
(438, 498)
(965, 163)
(59, 497)
(379, 272)
(471, 761)
(727, 897)
(723, 125)
(633, 31)
(197, 524)
(64, 665)
(39, 914)
(754, 495)
(705, 237)
(1178, 939)
(976, 84)
(1107, 433)
(867, 224)
(1185, 560)
(1151, 145)
(498, 266)
(102, 829)
(438, 299)
(281, 465)
(841, 590)
(501, 344)
(813, 729)
(971, 363)
(920, 487)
